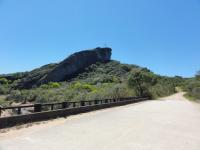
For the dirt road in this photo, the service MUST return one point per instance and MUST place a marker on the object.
(170, 124)
(177, 96)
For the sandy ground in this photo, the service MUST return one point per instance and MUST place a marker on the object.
(172, 123)
(177, 96)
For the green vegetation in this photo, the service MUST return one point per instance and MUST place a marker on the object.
(3, 81)
(4, 86)
(165, 86)
(3, 101)
(50, 85)
(192, 87)
(140, 81)
(98, 81)
(19, 80)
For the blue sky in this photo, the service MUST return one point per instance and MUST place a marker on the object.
(163, 35)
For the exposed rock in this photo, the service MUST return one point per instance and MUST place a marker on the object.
(34, 76)
(65, 70)
(76, 63)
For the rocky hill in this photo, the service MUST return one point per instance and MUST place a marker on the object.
(65, 70)
(85, 75)
(76, 64)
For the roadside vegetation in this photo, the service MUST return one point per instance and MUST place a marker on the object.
(192, 87)
(99, 81)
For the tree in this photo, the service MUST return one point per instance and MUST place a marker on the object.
(140, 81)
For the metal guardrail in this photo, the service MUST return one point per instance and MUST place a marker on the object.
(34, 108)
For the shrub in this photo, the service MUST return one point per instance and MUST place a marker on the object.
(193, 88)
(140, 81)
(105, 79)
(191, 85)
(119, 91)
(50, 85)
(54, 84)
(82, 86)
(45, 86)
(15, 95)
(3, 102)
(4, 89)
(196, 92)
(3, 81)
(127, 68)
(161, 90)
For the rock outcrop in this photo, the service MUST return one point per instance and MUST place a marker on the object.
(76, 63)
(65, 70)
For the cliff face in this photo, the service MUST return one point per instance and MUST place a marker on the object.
(65, 70)
(76, 63)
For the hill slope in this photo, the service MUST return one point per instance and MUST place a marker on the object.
(96, 79)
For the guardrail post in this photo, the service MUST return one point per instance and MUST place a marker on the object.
(96, 102)
(74, 104)
(37, 108)
(65, 105)
(0, 110)
(19, 110)
(82, 103)
(90, 103)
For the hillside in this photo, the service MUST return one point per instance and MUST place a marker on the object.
(89, 74)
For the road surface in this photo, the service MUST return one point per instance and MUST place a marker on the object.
(170, 124)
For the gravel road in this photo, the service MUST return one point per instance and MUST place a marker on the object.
(172, 123)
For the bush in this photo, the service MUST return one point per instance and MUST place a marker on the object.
(3, 90)
(54, 84)
(3, 102)
(105, 79)
(193, 88)
(119, 91)
(145, 83)
(82, 86)
(15, 95)
(140, 82)
(105, 91)
(196, 92)
(50, 85)
(3, 81)
(127, 68)
(161, 90)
